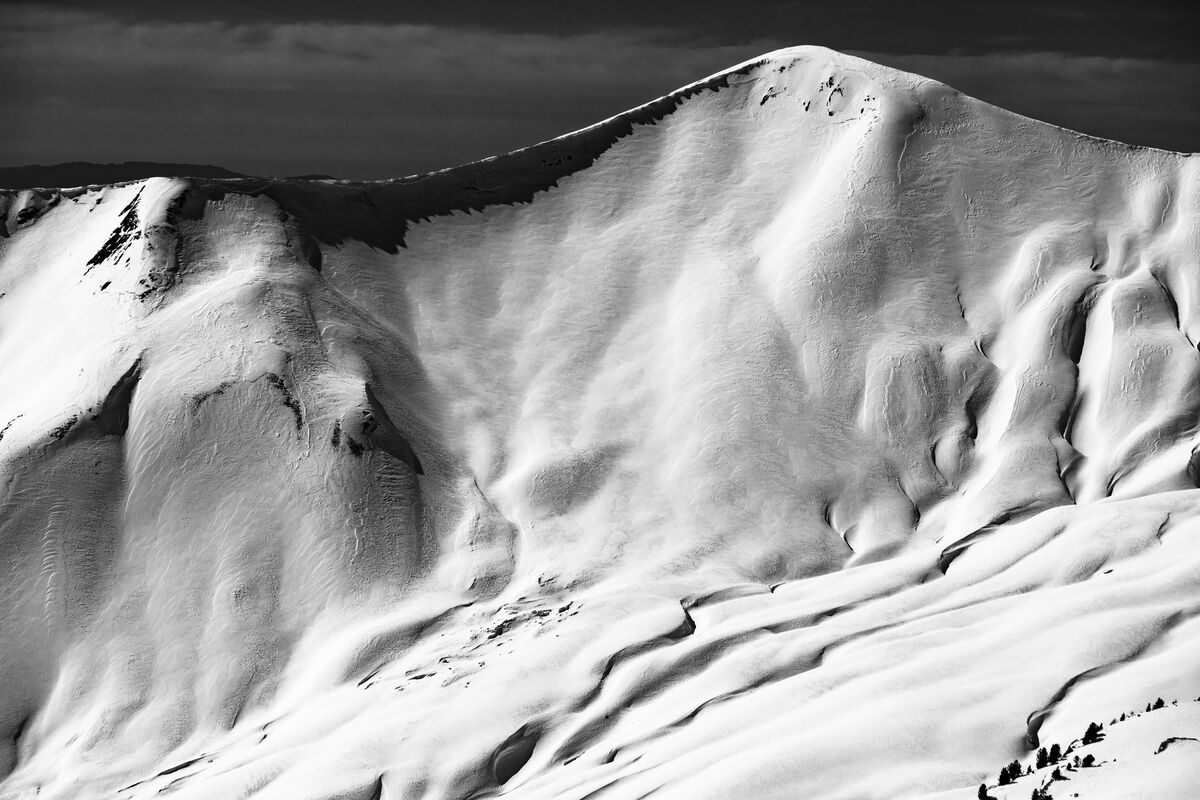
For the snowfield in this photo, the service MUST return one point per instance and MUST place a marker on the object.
(813, 432)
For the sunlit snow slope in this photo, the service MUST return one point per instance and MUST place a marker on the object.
(813, 432)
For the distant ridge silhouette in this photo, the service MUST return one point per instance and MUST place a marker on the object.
(84, 173)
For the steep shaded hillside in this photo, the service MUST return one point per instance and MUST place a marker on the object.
(815, 431)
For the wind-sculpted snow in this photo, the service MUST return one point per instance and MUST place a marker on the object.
(816, 431)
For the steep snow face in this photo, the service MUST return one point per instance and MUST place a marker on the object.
(814, 431)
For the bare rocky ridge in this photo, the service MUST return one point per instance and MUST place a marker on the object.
(814, 431)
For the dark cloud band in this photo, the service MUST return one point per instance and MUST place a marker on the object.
(259, 93)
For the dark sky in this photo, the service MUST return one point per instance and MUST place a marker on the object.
(383, 89)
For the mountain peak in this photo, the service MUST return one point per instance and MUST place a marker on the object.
(815, 427)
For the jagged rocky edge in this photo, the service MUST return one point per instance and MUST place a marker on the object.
(378, 213)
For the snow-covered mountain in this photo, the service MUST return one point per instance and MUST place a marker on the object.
(815, 431)
(78, 173)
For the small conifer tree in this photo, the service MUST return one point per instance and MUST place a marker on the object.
(1158, 704)
(982, 794)
(1055, 753)
(1092, 734)
(1042, 758)
(1089, 760)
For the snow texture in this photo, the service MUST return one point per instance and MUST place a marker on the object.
(815, 431)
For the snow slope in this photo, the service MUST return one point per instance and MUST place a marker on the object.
(34, 176)
(815, 431)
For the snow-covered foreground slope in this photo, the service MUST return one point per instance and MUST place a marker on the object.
(816, 431)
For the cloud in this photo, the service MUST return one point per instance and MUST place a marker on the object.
(207, 85)
(378, 100)
(1137, 100)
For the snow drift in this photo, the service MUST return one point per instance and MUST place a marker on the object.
(814, 431)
